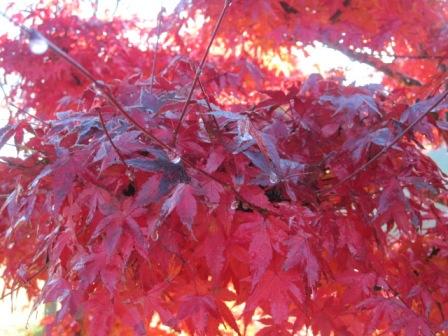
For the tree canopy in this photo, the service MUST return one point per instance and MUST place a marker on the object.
(184, 182)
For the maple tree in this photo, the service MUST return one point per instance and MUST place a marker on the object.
(203, 186)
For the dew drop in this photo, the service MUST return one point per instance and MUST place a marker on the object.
(155, 235)
(21, 220)
(174, 158)
(234, 205)
(99, 87)
(201, 123)
(245, 137)
(243, 130)
(129, 174)
(38, 45)
(273, 178)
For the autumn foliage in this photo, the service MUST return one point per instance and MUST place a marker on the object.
(154, 190)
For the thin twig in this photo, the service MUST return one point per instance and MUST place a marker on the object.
(20, 110)
(205, 95)
(199, 69)
(154, 60)
(418, 57)
(208, 103)
(398, 295)
(103, 124)
(31, 277)
(386, 148)
(117, 3)
(368, 59)
(95, 8)
(6, 98)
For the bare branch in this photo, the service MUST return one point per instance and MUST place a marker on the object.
(154, 60)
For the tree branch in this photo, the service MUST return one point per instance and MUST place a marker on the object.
(105, 91)
(154, 60)
(376, 63)
(386, 148)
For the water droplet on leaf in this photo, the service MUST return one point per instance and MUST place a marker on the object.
(273, 178)
(99, 87)
(243, 130)
(129, 174)
(21, 220)
(201, 123)
(234, 205)
(174, 158)
(38, 44)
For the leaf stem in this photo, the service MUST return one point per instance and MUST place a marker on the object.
(208, 104)
(103, 125)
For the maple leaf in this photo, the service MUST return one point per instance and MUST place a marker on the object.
(55, 288)
(102, 312)
(275, 291)
(128, 142)
(214, 160)
(88, 267)
(172, 173)
(353, 104)
(117, 220)
(260, 253)
(199, 309)
(394, 310)
(184, 202)
(64, 172)
(213, 250)
(300, 253)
